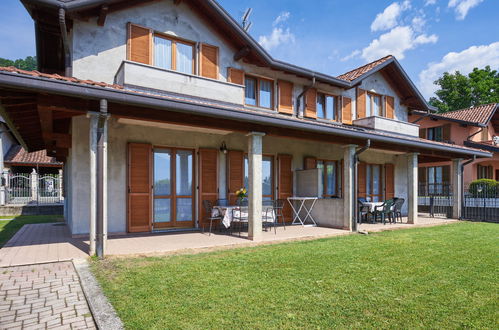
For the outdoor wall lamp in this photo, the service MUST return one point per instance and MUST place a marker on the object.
(223, 147)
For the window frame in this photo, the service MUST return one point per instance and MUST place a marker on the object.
(370, 183)
(174, 41)
(369, 104)
(258, 79)
(433, 131)
(272, 174)
(336, 111)
(325, 179)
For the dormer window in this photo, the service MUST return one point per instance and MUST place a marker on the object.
(173, 54)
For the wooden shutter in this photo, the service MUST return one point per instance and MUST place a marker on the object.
(341, 178)
(208, 179)
(361, 103)
(235, 173)
(209, 61)
(311, 103)
(346, 111)
(422, 133)
(139, 45)
(285, 183)
(309, 163)
(235, 76)
(139, 187)
(361, 180)
(446, 133)
(389, 181)
(390, 106)
(446, 174)
(285, 97)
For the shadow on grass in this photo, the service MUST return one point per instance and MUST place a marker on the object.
(9, 226)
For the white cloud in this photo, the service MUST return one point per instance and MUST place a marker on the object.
(353, 54)
(396, 42)
(388, 18)
(430, 2)
(278, 37)
(464, 62)
(461, 7)
(283, 17)
(418, 23)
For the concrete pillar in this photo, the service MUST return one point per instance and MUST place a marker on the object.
(4, 186)
(3, 198)
(94, 119)
(255, 142)
(412, 188)
(34, 185)
(457, 188)
(105, 175)
(60, 188)
(348, 186)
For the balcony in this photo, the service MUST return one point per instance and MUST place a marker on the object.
(388, 125)
(137, 75)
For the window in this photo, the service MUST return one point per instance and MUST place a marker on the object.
(373, 183)
(267, 177)
(435, 179)
(330, 182)
(259, 92)
(173, 54)
(373, 105)
(327, 106)
(435, 134)
(484, 172)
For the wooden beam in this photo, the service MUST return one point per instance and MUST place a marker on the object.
(61, 140)
(46, 125)
(104, 9)
(242, 53)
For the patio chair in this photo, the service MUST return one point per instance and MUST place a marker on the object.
(364, 210)
(279, 211)
(239, 218)
(208, 208)
(268, 215)
(397, 209)
(384, 210)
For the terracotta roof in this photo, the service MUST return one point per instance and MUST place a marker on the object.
(479, 115)
(356, 73)
(18, 155)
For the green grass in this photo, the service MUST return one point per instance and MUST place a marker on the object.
(9, 227)
(438, 277)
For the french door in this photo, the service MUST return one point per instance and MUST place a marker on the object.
(173, 197)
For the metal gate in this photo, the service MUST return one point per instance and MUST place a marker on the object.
(481, 203)
(31, 189)
(435, 199)
(19, 189)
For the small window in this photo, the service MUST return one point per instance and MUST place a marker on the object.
(435, 134)
(373, 105)
(327, 106)
(373, 182)
(173, 54)
(485, 172)
(259, 92)
(329, 178)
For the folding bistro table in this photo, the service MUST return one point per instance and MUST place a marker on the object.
(302, 202)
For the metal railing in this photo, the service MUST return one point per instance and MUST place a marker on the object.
(481, 203)
(435, 199)
(32, 189)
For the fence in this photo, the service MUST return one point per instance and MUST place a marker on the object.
(435, 199)
(481, 203)
(32, 189)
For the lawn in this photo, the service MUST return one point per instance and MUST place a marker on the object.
(438, 277)
(9, 227)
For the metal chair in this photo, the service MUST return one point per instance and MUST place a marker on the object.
(364, 210)
(268, 216)
(384, 210)
(279, 211)
(397, 209)
(208, 208)
(239, 217)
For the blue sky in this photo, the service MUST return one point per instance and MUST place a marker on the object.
(428, 37)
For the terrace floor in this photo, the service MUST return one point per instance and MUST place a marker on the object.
(51, 242)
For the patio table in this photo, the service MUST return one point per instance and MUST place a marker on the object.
(302, 202)
(372, 205)
(226, 213)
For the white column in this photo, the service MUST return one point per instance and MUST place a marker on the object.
(4, 187)
(34, 185)
(348, 185)
(412, 188)
(457, 188)
(255, 142)
(3, 198)
(61, 182)
(94, 119)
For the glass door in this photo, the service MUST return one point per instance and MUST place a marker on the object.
(172, 189)
(267, 177)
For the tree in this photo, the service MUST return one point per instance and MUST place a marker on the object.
(457, 91)
(29, 63)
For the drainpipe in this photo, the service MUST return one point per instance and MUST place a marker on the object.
(65, 42)
(100, 178)
(356, 183)
(300, 110)
(469, 161)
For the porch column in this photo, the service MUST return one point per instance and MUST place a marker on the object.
(2, 184)
(412, 188)
(348, 186)
(255, 141)
(457, 188)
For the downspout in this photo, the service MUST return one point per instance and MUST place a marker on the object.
(356, 183)
(298, 105)
(65, 43)
(100, 178)
(469, 161)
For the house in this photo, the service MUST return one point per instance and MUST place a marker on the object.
(476, 127)
(174, 103)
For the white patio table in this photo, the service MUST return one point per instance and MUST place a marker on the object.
(372, 205)
(226, 213)
(302, 202)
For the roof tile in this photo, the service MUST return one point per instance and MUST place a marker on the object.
(480, 114)
(360, 71)
(18, 154)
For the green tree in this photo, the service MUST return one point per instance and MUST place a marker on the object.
(29, 63)
(457, 91)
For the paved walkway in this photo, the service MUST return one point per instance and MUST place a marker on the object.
(43, 296)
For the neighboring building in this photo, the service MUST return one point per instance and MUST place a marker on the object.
(476, 127)
(192, 108)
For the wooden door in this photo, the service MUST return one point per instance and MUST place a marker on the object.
(208, 180)
(389, 181)
(235, 172)
(285, 183)
(139, 187)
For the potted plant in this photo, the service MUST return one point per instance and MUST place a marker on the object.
(241, 194)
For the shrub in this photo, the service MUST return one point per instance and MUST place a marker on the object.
(484, 188)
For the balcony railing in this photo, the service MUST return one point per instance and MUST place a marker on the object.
(389, 125)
